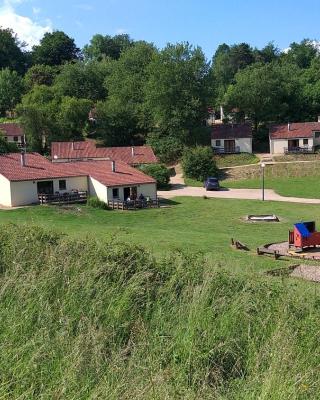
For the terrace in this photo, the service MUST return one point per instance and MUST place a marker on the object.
(63, 198)
(299, 150)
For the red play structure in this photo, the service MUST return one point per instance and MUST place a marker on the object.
(304, 235)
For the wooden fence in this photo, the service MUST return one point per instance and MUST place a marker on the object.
(133, 204)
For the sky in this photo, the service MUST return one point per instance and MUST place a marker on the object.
(206, 23)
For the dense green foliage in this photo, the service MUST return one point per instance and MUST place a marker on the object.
(119, 326)
(7, 147)
(140, 93)
(55, 48)
(159, 172)
(198, 163)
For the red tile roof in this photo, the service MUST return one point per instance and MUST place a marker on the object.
(231, 131)
(11, 129)
(38, 167)
(297, 130)
(88, 149)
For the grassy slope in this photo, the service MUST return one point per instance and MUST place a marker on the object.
(230, 160)
(84, 319)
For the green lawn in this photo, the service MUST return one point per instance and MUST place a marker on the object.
(308, 186)
(192, 224)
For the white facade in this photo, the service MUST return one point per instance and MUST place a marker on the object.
(18, 139)
(243, 144)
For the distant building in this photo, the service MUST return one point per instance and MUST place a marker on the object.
(12, 133)
(299, 137)
(231, 138)
(87, 150)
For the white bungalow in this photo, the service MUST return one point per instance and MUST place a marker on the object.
(231, 138)
(300, 137)
(24, 176)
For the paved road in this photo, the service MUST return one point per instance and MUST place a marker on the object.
(180, 189)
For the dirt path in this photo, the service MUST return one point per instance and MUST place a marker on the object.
(180, 189)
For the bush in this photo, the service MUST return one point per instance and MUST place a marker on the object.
(7, 147)
(167, 148)
(198, 163)
(159, 172)
(94, 202)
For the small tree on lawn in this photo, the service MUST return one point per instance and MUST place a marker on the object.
(198, 163)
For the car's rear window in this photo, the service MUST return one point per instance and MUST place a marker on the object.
(213, 179)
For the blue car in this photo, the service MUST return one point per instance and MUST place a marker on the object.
(212, 184)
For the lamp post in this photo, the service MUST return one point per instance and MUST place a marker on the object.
(262, 173)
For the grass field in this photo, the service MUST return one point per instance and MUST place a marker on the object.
(308, 186)
(85, 315)
(192, 224)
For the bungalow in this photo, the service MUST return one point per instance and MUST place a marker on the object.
(12, 133)
(231, 138)
(300, 137)
(24, 176)
(84, 151)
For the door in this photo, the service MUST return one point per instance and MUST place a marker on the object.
(134, 193)
(229, 146)
(293, 144)
(126, 193)
(45, 187)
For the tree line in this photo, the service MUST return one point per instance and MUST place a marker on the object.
(137, 93)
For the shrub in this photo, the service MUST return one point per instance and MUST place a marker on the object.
(159, 172)
(94, 202)
(167, 148)
(7, 147)
(198, 163)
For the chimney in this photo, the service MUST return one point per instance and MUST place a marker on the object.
(113, 166)
(72, 145)
(288, 126)
(318, 118)
(132, 151)
(23, 159)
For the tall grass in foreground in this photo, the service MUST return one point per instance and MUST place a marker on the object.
(83, 319)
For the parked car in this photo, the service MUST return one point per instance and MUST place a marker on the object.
(212, 183)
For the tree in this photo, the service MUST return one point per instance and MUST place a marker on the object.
(46, 116)
(107, 46)
(177, 90)
(267, 54)
(11, 89)
(40, 74)
(125, 85)
(55, 48)
(198, 163)
(73, 117)
(263, 92)
(11, 55)
(83, 80)
(301, 53)
(227, 61)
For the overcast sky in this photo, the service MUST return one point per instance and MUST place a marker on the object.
(201, 22)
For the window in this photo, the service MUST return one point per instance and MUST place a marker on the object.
(62, 185)
(218, 143)
(115, 193)
(6, 138)
(15, 138)
(317, 135)
(305, 141)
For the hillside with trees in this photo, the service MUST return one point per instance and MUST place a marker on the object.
(141, 94)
